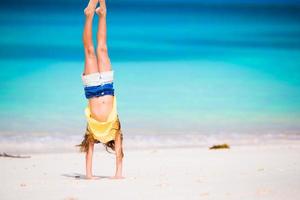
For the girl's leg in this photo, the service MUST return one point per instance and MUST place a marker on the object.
(90, 64)
(104, 103)
(102, 52)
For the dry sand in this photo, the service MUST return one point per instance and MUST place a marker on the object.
(242, 172)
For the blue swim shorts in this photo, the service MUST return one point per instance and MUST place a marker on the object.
(99, 90)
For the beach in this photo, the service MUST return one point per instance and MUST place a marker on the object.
(187, 75)
(270, 171)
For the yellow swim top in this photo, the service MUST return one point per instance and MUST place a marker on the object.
(104, 131)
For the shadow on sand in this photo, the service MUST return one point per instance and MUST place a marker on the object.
(82, 176)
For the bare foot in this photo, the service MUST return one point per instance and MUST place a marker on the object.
(101, 11)
(90, 9)
(91, 177)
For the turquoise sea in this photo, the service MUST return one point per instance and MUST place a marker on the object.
(186, 72)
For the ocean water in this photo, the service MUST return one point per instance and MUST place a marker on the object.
(186, 72)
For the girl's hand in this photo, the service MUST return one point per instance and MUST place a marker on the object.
(92, 177)
(117, 177)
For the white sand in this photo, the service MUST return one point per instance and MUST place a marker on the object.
(245, 172)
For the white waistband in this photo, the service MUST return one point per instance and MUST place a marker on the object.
(97, 78)
(107, 76)
(91, 79)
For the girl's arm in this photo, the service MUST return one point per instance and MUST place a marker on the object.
(119, 156)
(89, 161)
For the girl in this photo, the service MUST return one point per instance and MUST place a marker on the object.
(103, 123)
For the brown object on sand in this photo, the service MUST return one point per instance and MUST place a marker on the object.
(13, 156)
(220, 146)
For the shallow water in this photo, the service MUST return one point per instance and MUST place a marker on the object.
(192, 68)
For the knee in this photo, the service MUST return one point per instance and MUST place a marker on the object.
(101, 49)
(90, 51)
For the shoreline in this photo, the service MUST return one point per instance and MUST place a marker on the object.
(66, 143)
